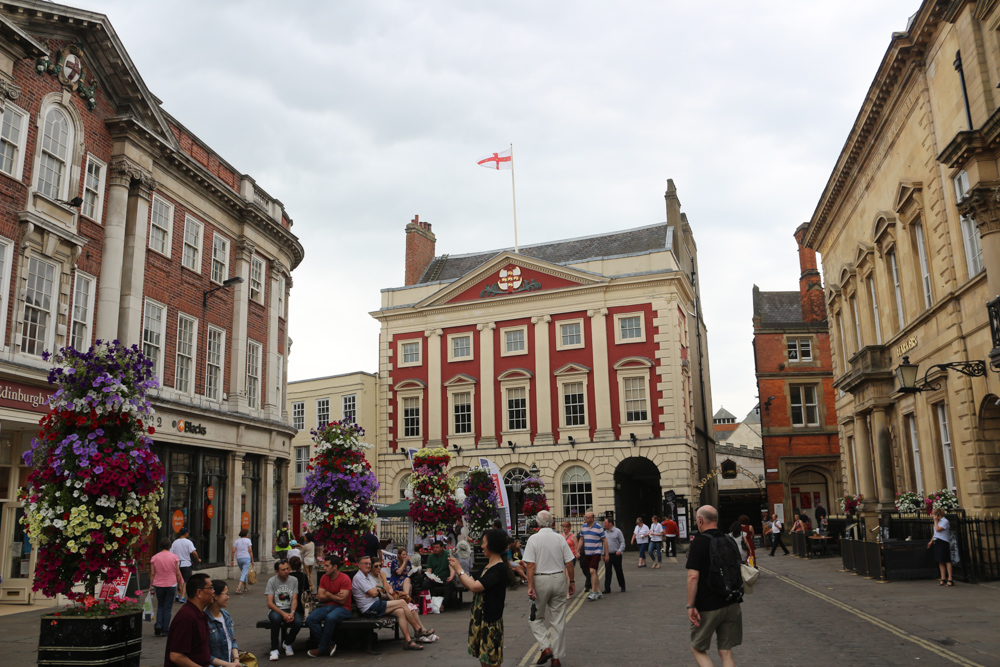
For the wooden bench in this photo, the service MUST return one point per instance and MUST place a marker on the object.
(369, 628)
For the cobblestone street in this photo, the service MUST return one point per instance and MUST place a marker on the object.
(800, 613)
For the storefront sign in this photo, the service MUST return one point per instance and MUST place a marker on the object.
(210, 492)
(245, 521)
(115, 588)
(178, 521)
(188, 427)
(23, 396)
(905, 346)
(210, 511)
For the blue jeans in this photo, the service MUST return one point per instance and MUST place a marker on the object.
(164, 604)
(642, 550)
(244, 564)
(289, 630)
(323, 623)
(656, 551)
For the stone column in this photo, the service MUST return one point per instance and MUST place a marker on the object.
(849, 463)
(434, 387)
(271, 401)
(602, 386)
(883, 458)
(134, 261)
(233, 513)
(120, 174)
(543, 382)
(268, 501)
(863, 461)
(238, 344)
(487, 386)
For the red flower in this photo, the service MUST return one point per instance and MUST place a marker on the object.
(152, 430)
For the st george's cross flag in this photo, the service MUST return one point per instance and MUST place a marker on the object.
(497, 161)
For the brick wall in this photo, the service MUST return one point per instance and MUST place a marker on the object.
(420, 242)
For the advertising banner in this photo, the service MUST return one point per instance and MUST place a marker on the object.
(500, 488)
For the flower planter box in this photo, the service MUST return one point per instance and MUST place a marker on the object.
(78, 641)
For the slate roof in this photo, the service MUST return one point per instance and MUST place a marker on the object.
(723, 414)
(753, 417)
(777, 307)
(637, 241)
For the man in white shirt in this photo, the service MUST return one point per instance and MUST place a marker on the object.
(185, 551)
(777, 528)
(365, 590)
(549, 563)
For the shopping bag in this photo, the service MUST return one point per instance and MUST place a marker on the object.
(436, 604)
(252, 576)
(247, 659)
(148, 608)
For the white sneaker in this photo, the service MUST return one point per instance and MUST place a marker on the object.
(274, 654)
(288, 650)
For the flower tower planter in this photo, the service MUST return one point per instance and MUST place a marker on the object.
(480, 506)
(535, 501)
(91, 498)
(340, 490)
(433, 507)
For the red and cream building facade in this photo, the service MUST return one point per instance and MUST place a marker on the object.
(578, 356)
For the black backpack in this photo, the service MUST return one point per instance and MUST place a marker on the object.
(283, 539)
(725, 578)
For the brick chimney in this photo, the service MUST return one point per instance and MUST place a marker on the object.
(810, 282)
(420, 241)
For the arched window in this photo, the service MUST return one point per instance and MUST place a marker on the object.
(460, 478)
(53, 170)
(512, 480)
(577, 493)
(404, 484)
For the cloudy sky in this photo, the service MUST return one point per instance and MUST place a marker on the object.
(358, 115)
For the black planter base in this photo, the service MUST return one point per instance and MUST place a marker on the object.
(79, 641)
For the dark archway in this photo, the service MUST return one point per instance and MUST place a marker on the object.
(988, 448)
(637, 493)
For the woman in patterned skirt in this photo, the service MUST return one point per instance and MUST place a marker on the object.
(490, 588)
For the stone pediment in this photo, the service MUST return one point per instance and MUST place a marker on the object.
(460, 379)
(508, 275)
(909, 199)
(572, 369)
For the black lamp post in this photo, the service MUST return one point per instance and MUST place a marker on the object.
(907, 373)
(533, 470)
(226, 283)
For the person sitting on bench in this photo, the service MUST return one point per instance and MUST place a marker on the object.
(333, 606)
(282, 603)
(371, 605)
(437, 563)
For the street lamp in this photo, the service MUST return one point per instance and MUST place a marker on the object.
(533, 470)
(906, 374)
(226, 283)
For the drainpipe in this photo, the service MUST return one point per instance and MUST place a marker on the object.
(965, 92)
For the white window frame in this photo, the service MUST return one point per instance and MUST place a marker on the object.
(925, 269)
(168, 230)
(299, 415)
(162, 345)
(279, 374)
(585, 491)
(300, 464)
(408, 391)
(619, 340)
(195, 249)
(970, 230)
(897, 290)
(504, 352)
(190, 358)
(797, 396)
(799, 349)
(221, 365)
(569, 375)
(461, 384)
(875, 317)
(17, 165)
(453, 338)
(62, 193)
(510, 394)
(253, 381)
(918, 469)
(6, 270)
(947, 454)
(88, 318)
(322, 406)
(843, 341)
(511, 380)
(353, 400)
(858, 340)
(224, 262)
(257, 266)
(642, 428)
(467, 396)
(400, 360)
(97, 214)
(560, 344)
(48, 339)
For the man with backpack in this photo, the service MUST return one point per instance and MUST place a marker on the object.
(282, 541)
(714, 590)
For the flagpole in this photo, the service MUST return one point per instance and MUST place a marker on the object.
(513, 194)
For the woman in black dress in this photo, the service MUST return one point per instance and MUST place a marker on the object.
(490, 588)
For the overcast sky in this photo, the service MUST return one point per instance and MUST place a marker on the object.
(358, 115)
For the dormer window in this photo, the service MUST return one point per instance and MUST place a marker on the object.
(57, 137)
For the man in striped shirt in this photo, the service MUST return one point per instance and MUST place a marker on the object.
(592, 547)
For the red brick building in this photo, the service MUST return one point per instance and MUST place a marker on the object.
(117, 222)
(795, 384)
(583, 356)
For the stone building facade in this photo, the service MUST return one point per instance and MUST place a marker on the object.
(908, 227)
(585, 357)
(794, 372)
(118, 222)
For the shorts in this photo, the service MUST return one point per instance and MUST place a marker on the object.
(593, 561)
(377, 609)
(726, 624)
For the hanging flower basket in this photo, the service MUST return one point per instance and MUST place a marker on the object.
(434, 506)
(908, 502)
(340, 490)
(480, 505)
(941, 500)
(850, 504)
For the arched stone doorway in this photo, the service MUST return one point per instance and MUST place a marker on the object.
(637, 493)
(806, 486)
(988, 450)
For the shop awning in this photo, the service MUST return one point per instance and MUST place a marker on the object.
(400, 509)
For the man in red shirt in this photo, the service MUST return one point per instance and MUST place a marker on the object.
(334, 605)
(187, 641)
(670, 536)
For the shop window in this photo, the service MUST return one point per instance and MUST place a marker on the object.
(250, 500)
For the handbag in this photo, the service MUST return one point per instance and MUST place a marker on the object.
(750, 575)
(252, 579)
(248, 659)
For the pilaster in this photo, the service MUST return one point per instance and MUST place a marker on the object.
(602, 384)
(487, 381)
(434, 387)
(238, 345)
(543, 382)
(134, 260)
(120, 175)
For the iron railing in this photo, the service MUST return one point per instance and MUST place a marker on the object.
(978, 539)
